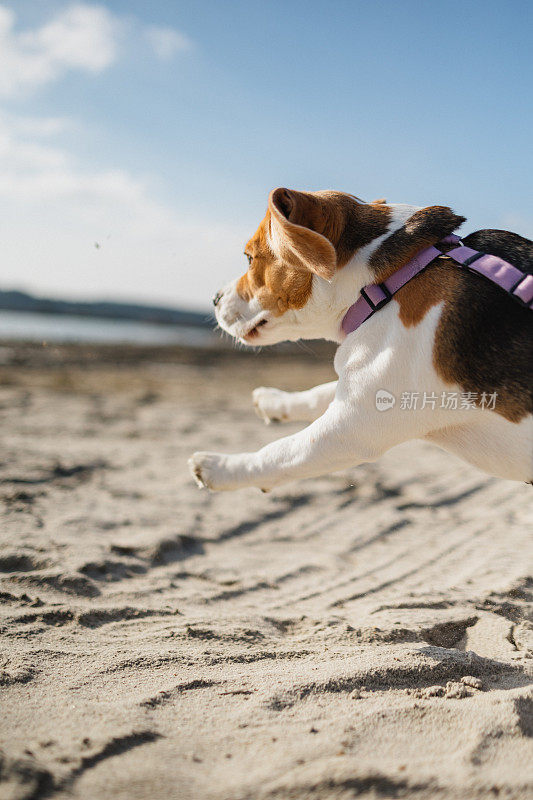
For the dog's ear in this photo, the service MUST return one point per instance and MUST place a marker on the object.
(424, 228)
(295, 221)
(379, 202)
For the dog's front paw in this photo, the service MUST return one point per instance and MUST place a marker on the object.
(207, 469)
(270, 404)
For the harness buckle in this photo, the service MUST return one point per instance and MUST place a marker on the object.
(516, 296)
(380, 303)
(471, 259)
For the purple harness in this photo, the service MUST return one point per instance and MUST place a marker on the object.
(517, 284)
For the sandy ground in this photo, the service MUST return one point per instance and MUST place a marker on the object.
(367, 634)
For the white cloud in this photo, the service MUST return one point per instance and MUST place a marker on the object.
(39, 127)
(54, 210)
(166, 42)
(83, 37)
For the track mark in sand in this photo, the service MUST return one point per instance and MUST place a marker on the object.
(123, 550)
(331, 587)
(56, 617)
(407, 574)
(108, 570)
(90, 619)
(21, 562)
(326, 589)
(21, 498)
(115, 747)
(230, 594)
(104, 616)
(373, 785)
(17, 675)
(182, 546)
(511, 611)
(58, 473)
(167, 695)
(374, 492)
(40, 782)
(138, 560)
(246, 635)
(371, 635)
(66, 584)
(143, 662)
(305, 569)
(436, 605)
(31, 779)
(287, 626)
(24, 599)
(522, 589)
(205, 577)
(289, 504)
(448, 500)
(382, 534)
(447, 634)
(261, 655)
(515, 604)
(439, 665)
(483, 751)
(524, 710)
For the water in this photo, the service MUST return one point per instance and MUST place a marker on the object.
(32, 327)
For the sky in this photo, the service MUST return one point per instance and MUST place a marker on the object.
(139, 140)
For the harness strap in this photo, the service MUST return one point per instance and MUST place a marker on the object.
(517, 284)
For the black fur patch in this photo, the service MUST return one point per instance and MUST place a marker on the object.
(484, 340)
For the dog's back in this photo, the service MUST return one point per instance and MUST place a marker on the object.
(485, 337)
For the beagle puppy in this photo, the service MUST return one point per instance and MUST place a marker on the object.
(446, 358)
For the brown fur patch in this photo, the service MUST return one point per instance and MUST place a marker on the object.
(276, 285)
(341, 219)
(296, 222)
(315, 222)
(484, 340)
(435, 284)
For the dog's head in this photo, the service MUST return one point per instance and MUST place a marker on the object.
(295, 286)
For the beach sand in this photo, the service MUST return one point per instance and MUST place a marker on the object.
(365, 634)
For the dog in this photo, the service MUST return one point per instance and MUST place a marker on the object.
(447, 360)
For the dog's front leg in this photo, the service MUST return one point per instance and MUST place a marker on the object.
(275, 405)
(327, 445)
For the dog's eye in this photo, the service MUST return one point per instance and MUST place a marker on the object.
(250, 259)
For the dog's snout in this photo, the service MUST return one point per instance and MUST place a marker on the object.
(217, 298)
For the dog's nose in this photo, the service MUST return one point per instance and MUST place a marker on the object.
(217, 298)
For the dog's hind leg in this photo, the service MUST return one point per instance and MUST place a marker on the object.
(274, 405)
(493, 444)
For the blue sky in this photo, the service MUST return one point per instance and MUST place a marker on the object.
(155, 130)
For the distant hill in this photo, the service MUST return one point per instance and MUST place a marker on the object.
(21, 301)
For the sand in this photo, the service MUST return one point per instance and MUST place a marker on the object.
(366, 634)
